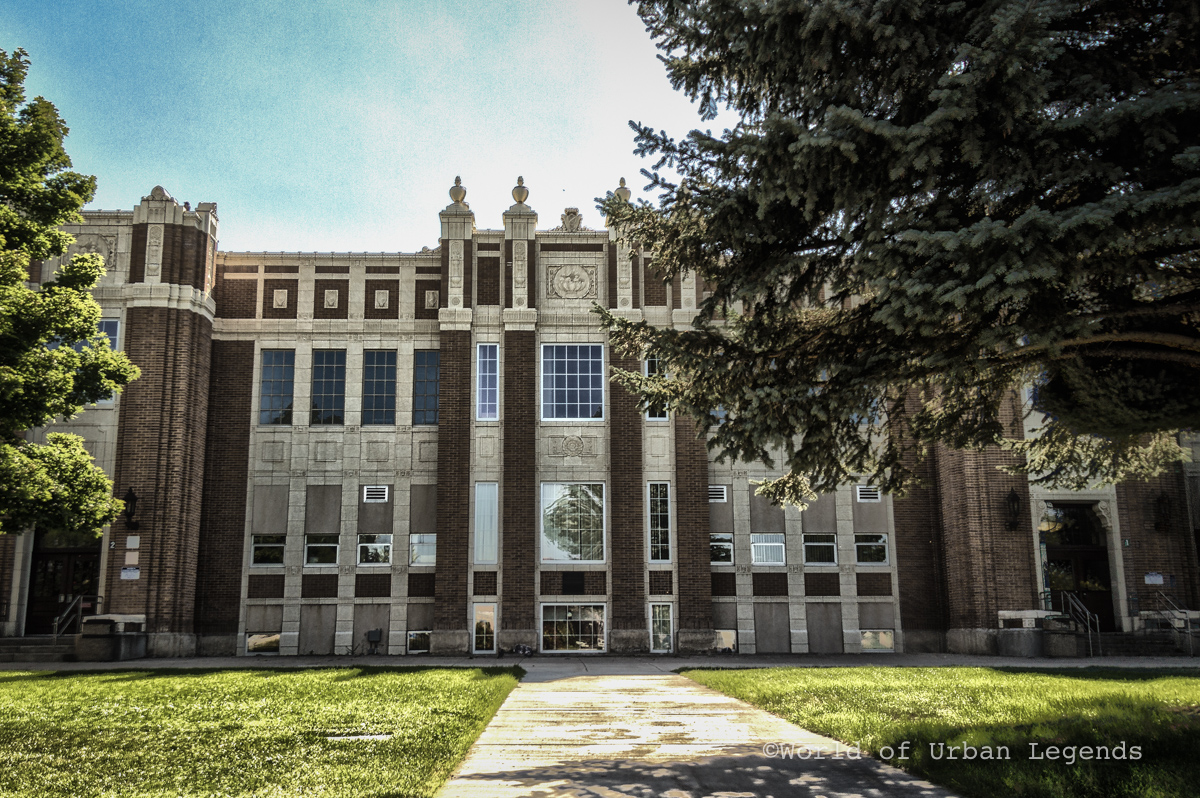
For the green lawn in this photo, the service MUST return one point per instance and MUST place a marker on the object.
(255, 733)
(1156, 711)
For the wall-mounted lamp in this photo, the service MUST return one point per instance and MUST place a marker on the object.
(1012, 510)
(130, 498)
(1162, 512)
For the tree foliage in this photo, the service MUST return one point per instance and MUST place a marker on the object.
(52, 360)
(925, 206)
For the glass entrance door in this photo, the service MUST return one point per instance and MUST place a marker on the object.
(57, 578)
(1077, 560)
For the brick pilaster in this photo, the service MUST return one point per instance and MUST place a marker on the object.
(627, 503)
(691, 499)
(453, 480)
(519, 489)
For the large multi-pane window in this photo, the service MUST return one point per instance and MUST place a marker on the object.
(426, 371)
(485, 628)
(275, 397)
(328, 386)
(660, 521)
(487, 385)
(573, 521)
(487, 522)
(658, 411)
(379, 386)
(661, 632)
(572, 627)
(572, 381)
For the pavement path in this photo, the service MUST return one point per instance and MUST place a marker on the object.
(606, 734)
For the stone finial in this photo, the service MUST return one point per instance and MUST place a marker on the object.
(519, 192)
(457, 192)
(623, 192)
(160, 194)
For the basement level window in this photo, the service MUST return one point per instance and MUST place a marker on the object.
(375, 494)
(868, 493)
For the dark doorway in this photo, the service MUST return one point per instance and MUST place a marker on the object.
(1077, 560)
(63, 567)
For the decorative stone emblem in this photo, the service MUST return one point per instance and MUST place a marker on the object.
(573, 282)
(572, 446)
(88, 244)
(572, 220)
(331, 298)
(432, 300)
(381, 299)
(279, 298)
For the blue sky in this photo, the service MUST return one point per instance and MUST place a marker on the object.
(340, 126)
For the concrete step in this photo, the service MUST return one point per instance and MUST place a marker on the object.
(39, 656)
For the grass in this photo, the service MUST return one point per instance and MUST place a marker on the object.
(877, 708)
(259, 733)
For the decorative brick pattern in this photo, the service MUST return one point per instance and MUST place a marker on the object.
(269, 311)
(724, 583)
(319, 586)
(627, 505)
(223, 517)
(485, 583)
(163, 414)
(421, 585)
(373, 585)
(263, 586)
(873, 584)
(519, 523)
(822, 584)
(574, 583)
(343, 300)
(770, 584)
(691, 499)
(660, 583)
(392, 311)
(453, 480)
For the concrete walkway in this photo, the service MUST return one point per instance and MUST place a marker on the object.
(565, 733)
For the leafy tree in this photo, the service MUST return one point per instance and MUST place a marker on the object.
(52, 360)
(925, 206)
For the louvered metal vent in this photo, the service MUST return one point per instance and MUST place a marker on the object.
(375, 494)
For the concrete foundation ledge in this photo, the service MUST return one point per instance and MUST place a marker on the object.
(971, 641)
(1061, 644)
(508, 639)
(924, 641)
(449, 642)
(1019, 643)
(114, 647)
(170, 644)
(217, 645)
(695, 641)
(629, 641)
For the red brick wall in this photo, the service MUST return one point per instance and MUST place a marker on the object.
(137, 254)
(1170, 551)
(627, 503)
(453, 480)
(269, 311)
(489, 281)
(392, 311)
(427, 285)
(343, 305)
(919, 551)
(227, 463)
(656, 289)
(160, 454)
(235, 299)
(184, 250)
(612, 274)
(519, 523)
(691, 499)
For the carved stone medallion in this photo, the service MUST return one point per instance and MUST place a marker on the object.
(573, 282)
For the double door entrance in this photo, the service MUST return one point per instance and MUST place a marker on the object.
(1076, 559)
(57, 576)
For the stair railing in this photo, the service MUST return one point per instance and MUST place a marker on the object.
(73, 614)
(1177, 617)
(1083, 617)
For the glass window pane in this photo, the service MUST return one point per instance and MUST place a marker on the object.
(573, 521)
(487, 382)
(275, 394)
(328, 386)
(487, 522)
(425, 386)
(379, 387)
(572, 387)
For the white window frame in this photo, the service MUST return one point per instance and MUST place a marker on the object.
(487, 508)
(603, 385)
(763, 542)
(336, 546)
(887, 558)
(722, 544)
(650, 414)
(492, 411)
(670, 628)
(832, 543)
(376, 545)
(542, 618)
(542, 523)
(422, 540)
(650, 521)
(475, 608)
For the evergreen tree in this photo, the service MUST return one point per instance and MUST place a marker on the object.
(925, 207)
(52, 359)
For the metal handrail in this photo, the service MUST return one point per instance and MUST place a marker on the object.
(63, 621)
(1082, 615)
(1169, 608)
